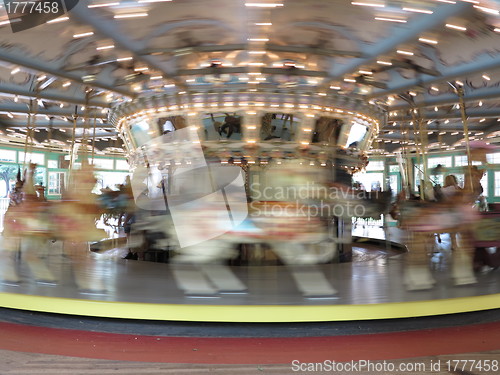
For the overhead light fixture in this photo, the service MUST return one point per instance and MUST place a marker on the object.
(124, 58)
(109, 46)
(456, 27)
(349, 80)
(416, 10)
(482, 120)
(480, 103)
(15, 70)
(263, 24)
(335, 87)
(486, 77)
(66, 84)
(264, 5)
(366, 4)
(433, 88)
(142, 69)
(447, 1)
(57, 20)
(381, 62)
(41, 78)
(102, 5)
(155, 77)
(83, 35)
(487, 10)
(258, 39)
(130, 15)
(153, 1)
(399, 20)
(429, 41)
(403, 52)
(257, 52)
(10, 115)
(368, 72)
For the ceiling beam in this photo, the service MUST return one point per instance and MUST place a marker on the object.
(484, 64)
(476, 113)
(65, 112)
(244, 46)
(38, 65)
(449, 99)
(401, 34)
(108, 29)
(50, 95)
(56, 124)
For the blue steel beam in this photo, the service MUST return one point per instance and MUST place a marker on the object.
(401, 34)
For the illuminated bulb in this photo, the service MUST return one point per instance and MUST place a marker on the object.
(367, 4)
(456, 27)
(434, 89)
(130, 15)
(398, 20)
(403, 52)
(66, 84)
(416, 10)
(381, 62)
(429, 41)
(480, 103)
(109, 46)
(83, 35)
(102, 5)
(56, 20)
(487, 10)
(264, 5)
(15, 70)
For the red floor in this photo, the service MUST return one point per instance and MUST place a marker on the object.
(473, 338)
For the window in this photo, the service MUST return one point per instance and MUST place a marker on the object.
(394, 184)
(56, 183)
(493, 158)
(33, 157)
(375, 165)
(445, 161)
(122, 165)
(484, 184)
(393, 168)
(52, 163)
(437, 179)
(103, 163)
(497, 184)
(8, 155)
(461, 161)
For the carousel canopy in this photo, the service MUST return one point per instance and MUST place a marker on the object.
(64, 71)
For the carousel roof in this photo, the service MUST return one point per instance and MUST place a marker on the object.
(407, 57)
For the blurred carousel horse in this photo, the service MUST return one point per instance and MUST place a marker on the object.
(28, 228)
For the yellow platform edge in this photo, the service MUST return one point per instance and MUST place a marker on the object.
(247, 313)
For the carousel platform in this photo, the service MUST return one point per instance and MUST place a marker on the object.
(372, 288)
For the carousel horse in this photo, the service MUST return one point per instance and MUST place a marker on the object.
(28, 228)
(232, 124)
(422, 219)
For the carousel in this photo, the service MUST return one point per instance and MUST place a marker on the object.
(243, 129)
